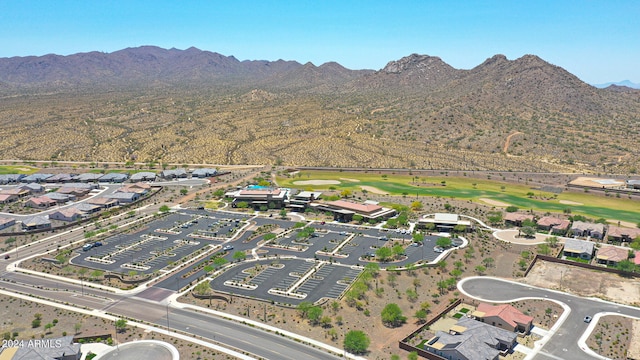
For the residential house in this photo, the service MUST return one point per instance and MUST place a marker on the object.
(470, 339)
(32, 188)
(620, 234)
(611, 255)
(103, 202)
(60, 178)
(7, 198)
(174, 174)
(36, 223)
(87, 208)
(204, 173)
(443, 222)
(17, 191)
(579, 248)
(81, 185)
(555, 225)
(40, 202)
(75, 191)
(11, 178)
(581, 228)
(344, 211)
(633, 184)
(504, 316)
(138, 188)
(114, 178)
(37, 178)
(143, 176)
(60, 197)
(68, 214)
(63, 349)
(124, 197)
(6, 222)
(516, 219)
(87, 177)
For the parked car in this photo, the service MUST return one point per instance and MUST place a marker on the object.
(97, 243)
(227, 248)
(587, 319)
(7, 257)
(438, 249)
(87, 247)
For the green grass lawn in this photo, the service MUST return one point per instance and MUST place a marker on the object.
(17, 169)
(475, 189)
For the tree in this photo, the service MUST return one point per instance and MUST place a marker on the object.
(164, 208)
(418, 237)
(412, 295)
(303, 308)
(283, 213)
(77, 327)
(392, 315)
(488, 261)
(242, 204)
(345, 193)
(48, 327)
(384, 254)
(218, 193)
(412, 356)
(459, 228)
(239, 256)
(121, 324)
(314, 314)
(480, 269)
(183, 191)
(544, 249)
(552, 241)
(202, 288)
(356, 342)
(626, 265)
(528, 231)
(421, 315)
(416, 205)
(358, 218)
(511, 209)
(219, 261)
(495, 217)
(443, 242)
(398, 250)
(372, 268)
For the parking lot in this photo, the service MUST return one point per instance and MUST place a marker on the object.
(293, 280)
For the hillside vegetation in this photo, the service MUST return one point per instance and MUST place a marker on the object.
(417, 112)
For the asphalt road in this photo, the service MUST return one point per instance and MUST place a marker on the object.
(564, 343)
(236, 335)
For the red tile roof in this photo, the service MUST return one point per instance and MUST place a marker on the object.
(365, 208)
(506, 312)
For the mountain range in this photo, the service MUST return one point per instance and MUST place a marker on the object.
(417, 111)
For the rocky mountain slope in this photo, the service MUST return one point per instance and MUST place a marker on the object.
(177, 106)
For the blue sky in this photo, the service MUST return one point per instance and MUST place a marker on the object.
(599, 41)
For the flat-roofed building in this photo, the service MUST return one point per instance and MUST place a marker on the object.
(36, 223)
(344, 211)
(301, 200)
(257, 198)
(443, 222)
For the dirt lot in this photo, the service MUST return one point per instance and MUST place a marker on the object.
(615, 337)
(16, 317)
